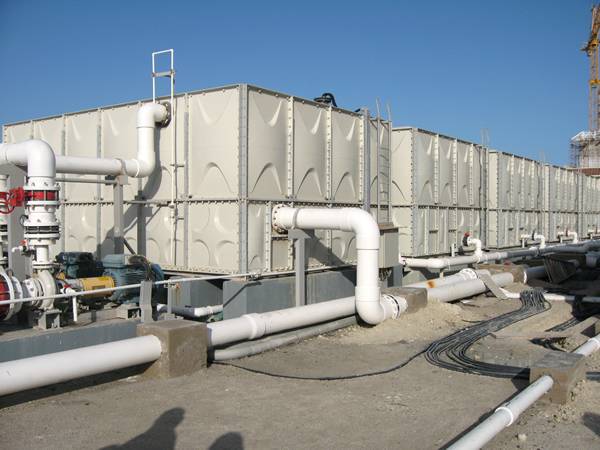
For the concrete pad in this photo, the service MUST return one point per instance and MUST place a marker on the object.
(517, 271)
(566, 369)
(416, 298)
(184, 347)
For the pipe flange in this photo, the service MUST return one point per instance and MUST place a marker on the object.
(274, 222)
(470, 273)
(169, 115)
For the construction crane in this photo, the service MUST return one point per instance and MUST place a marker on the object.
(591, 48)
(585, 146)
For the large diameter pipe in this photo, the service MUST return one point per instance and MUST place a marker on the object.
(38, 371)
(254, 326)
(40, 160)
(369, 304)
(457, 291)
(504, 416)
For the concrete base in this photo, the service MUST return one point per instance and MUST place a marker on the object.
(566, 369)
(597, 327)
(517, 271)
(184, 347)
(416, 298)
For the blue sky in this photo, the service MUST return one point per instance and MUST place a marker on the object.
(456, 67)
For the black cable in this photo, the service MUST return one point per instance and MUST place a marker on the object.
(327, 98)
(327, 378)
(451, 352)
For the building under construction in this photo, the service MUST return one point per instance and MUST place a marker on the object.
(585, 145)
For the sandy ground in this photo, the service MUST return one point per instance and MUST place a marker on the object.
(224, 407)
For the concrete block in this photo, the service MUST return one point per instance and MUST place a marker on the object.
(566, 369)
(184, 347)
(597, 327)
(517, 271)
(415, 297)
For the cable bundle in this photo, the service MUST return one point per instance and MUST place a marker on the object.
(451, 352)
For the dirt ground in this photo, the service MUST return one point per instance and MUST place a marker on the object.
(418, 406)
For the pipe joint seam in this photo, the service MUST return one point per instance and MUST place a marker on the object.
(511, 416)
(257, 325)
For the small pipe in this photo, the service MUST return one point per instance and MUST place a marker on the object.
(478, 245)
(504, 416)
(121, 288)
(509, 412)
(52, 368)
(191, 311)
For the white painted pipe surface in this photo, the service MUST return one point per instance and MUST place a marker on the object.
(193, 312)
(46, 164)
(52, 368)
(449, 262)
(460, 290)
(143, 165)
(509, 412)
(369, 304)
(462, 275)
(504, 416)
(478, 245)
(536, 237)
(254, 326)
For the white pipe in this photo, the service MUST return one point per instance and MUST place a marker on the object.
(254, 326)
(457, 291)
(370, 306)
(449, 262)
(504, 416)
(478, 245)
(535, 237)
(191, 311)
(557, 297)
(509, 412)
(569, 234)
(462, 275)
(40, 160)
(38, 371)
(41, 177)
(452, 261)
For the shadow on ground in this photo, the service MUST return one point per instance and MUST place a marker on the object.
(161, 435)
(592, 421)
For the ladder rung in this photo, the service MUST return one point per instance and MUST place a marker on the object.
(166, 73)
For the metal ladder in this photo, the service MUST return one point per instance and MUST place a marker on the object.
(173, 216)
(164, 74)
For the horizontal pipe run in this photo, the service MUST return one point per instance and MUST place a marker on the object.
(454, 261)
(52, 368)
(192, 312)
(279, 340)
(457, 291)
(254, 326)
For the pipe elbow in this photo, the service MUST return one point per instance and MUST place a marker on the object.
(364, 227)
(150, 114)
(36, 154)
